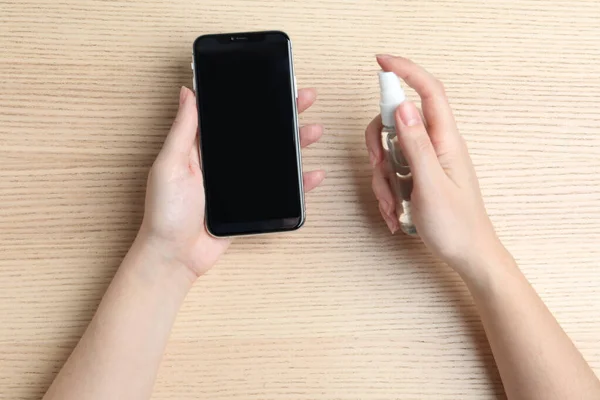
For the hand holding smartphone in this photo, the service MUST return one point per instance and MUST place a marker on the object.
(249, 134)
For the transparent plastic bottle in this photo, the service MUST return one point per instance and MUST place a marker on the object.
(400, 177)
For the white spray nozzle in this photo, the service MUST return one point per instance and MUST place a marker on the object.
(392, 96)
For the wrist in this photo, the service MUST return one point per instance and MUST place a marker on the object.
(486, 266)
(155, 264)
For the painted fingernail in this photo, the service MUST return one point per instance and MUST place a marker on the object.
(182, 95)
(409, 114)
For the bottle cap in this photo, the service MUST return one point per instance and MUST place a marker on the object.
(392, 96)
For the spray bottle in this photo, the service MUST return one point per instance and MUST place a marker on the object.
(400, 177)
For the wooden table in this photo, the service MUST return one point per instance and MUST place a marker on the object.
(340, 309)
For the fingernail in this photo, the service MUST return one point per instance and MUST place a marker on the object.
(409, 114)
(183, 95)
(391, 224)
(389, 220)
(383, 56)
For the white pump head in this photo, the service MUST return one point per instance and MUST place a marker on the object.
(392, 96)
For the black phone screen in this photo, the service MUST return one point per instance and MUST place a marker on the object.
(248, 133)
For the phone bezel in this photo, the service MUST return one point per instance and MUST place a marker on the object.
(231, 41)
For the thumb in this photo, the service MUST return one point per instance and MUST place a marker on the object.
(415, 142)
(182, 135)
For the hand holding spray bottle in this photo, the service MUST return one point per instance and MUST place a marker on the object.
(400, 178)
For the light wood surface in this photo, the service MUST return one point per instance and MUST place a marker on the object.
(340, 309)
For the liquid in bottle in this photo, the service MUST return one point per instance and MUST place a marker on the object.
(401, 181)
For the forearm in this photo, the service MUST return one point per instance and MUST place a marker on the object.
(535, 357)
(120, 352)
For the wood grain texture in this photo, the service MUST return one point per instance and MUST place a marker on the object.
(338, 310)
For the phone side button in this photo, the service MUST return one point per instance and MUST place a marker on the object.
(295, 87)
(194, 83)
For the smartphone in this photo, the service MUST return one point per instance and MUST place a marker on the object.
(248, 133)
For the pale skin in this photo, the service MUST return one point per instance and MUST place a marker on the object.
(119, 354)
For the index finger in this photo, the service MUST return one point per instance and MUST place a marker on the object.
(306, 98)
(436, 109)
